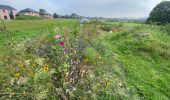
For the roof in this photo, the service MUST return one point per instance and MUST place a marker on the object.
(28, 10)
(7, 7)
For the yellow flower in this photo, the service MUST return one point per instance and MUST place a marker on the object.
(108, 84)
(30, 73)
(46, 68)
(21, 65)
(94, 63)
(99, 84)
(17, 75)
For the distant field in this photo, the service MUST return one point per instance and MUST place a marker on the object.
(131, 62)
(30, 28)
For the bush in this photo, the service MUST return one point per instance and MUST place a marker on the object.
(28, 18)
(167, 28)
(90, 54)
(161, 13)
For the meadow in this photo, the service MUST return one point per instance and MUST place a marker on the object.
(99, 60)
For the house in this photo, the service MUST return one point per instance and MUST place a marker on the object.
(28, 12)
(43, 13)
(7, 12)
(84, 20)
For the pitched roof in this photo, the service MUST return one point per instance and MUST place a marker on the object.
(28, 10)
(6, 7)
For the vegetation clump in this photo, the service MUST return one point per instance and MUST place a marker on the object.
(160, 14)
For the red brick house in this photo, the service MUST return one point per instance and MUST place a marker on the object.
(7, 12)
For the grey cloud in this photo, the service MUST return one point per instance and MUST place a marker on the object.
(105, 8)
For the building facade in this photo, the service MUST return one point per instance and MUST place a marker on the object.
(7, 12)
(28, 12)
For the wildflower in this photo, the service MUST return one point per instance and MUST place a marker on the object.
(57, 37)
(65, 50)
(46, 68)
(5, 60)
(75, 52)
(21, 65)
(39, 61)
(27, 62)
(89, 91)
(61, 44)
(74, 88)
(99, 84)
(11, 94)
(17, 75)
(30, 73)
(82, 72)
(108, 84)
(94, 63)
(24, 93)
(66, 74)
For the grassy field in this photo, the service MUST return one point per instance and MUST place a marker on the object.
(17, 30)
(130, 62)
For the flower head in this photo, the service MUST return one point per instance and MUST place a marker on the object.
(57, 37)
(61, 44)
(65, 50)
(46, 68)
(17, 75)
(21, 65)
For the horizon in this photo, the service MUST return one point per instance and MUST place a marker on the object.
(89, 8)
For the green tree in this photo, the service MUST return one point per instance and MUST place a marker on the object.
(74, 16)
(160, 13)
(55, 15)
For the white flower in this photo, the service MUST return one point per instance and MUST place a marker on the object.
(89, 91)
(110, 32)
(74, 88)
(27, 62)
(67, 90)
(39, 61)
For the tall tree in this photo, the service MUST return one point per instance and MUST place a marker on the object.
(55, 15)
(160, 13)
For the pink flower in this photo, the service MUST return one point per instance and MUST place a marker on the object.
(65, 50)
(61, 44)
(57, 36)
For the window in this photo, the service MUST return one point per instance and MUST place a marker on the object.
(3, 10)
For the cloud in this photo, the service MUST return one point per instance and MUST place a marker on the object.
(105, 8)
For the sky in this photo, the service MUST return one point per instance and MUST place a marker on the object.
(92, 8)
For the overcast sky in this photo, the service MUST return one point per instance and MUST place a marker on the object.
(105, 8)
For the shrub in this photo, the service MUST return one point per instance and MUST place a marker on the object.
(90, 54)
(161, 13)
(28, 18)
(167, 28)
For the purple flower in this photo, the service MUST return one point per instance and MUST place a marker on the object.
(57, 37)
(61, 44)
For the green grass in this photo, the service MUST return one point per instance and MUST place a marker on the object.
(145, 61)
(136, 60)
(30, 28)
